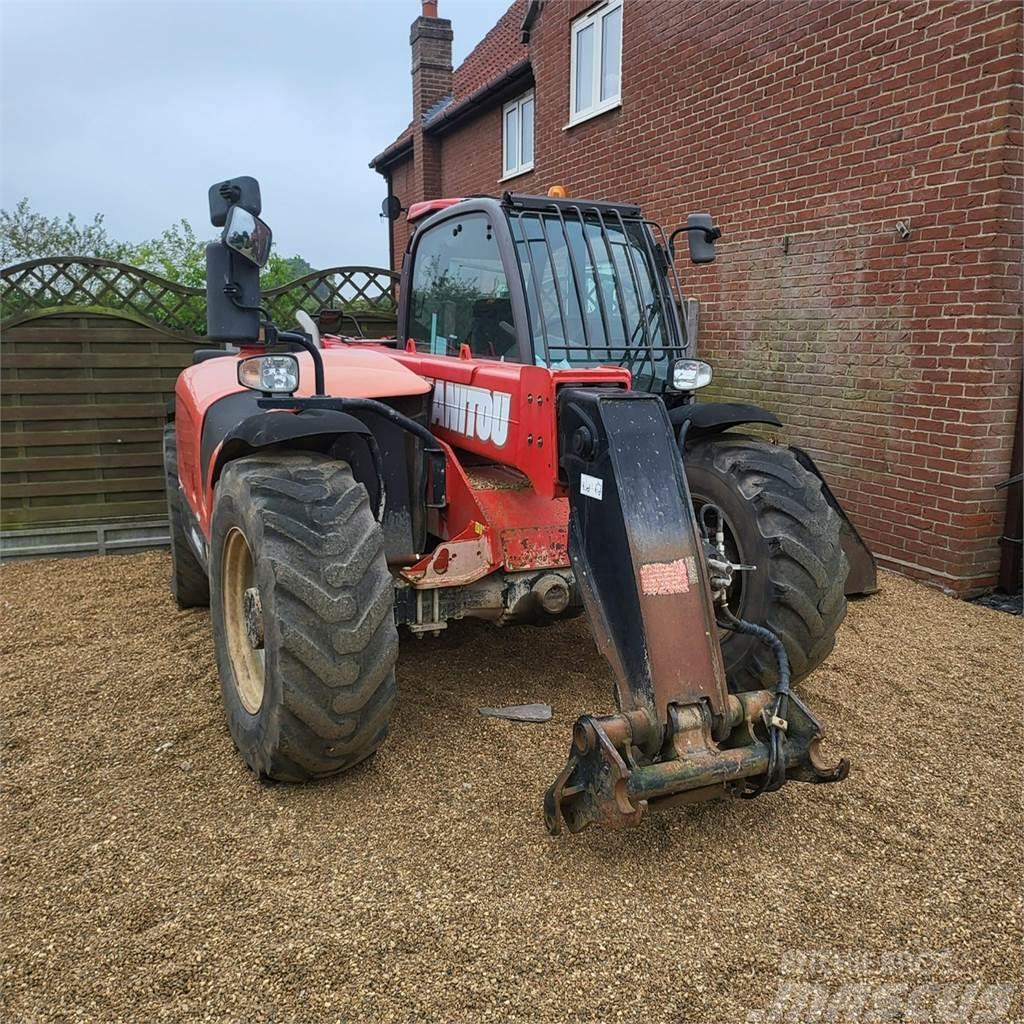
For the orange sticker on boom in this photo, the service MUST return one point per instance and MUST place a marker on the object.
(665, 577)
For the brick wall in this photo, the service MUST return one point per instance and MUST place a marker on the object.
(403, 186)
(809, 128)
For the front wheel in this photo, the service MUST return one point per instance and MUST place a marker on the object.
(303, 615)
(777, 519)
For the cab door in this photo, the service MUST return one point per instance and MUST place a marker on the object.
(459, 289)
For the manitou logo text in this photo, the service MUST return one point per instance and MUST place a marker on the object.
(474, 412)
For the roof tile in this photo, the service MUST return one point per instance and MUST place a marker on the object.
(502, 48)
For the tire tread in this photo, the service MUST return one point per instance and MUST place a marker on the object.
(333, 596)
(807, 567)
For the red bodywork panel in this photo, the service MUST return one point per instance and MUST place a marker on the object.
(352, 372)
(504, 412)
(495, 421)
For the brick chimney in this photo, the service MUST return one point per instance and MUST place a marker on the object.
(431, 40)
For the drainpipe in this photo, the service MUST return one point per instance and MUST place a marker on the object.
(391, 231)
(1010, 560)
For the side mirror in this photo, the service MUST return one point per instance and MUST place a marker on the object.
(391, 208)
(701, 234)
(247, 235)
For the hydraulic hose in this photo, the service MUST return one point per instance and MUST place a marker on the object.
(775, 776)
(351, 405)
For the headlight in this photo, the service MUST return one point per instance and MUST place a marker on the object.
(276, 375)
(690, 374)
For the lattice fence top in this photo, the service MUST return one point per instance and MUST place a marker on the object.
(99, 285)
(357, 289)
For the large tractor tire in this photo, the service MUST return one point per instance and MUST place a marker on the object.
(303, 615)
(189, 585)
(777, 519)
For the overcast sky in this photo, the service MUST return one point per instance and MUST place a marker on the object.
(132, 109)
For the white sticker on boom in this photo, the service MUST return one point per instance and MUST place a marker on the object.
(591, 486)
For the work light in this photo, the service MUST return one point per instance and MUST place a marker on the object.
(274, 375)
(690, 374)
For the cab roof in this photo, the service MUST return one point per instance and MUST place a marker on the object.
(522, 201)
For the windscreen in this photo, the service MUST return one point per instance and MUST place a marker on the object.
(595, 292)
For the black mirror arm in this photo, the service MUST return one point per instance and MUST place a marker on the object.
(710, 235)
(295, 338)
(232, 291)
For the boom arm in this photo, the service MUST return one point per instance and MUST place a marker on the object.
(636, 554)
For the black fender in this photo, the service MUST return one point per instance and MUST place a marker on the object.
(376, 450)
(710, 417)
(263, 429)
(699, 418)
(862, 578)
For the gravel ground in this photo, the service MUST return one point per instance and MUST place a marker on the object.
(146, 876)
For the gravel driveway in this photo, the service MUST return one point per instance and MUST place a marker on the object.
(146, 876)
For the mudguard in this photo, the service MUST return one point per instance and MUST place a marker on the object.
(708, 417)
(264, 429)
(376, 450)
(862, 579)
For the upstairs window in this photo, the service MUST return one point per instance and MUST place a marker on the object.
(517, 136)
(596, 68)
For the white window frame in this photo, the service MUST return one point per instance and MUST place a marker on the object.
(521, 166)
(598, 106)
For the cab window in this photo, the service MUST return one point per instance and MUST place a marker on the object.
(460, 293)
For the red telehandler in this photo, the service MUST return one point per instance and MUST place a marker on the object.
(520, 453)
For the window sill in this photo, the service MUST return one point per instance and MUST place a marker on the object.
(516, 174)
(591, 114)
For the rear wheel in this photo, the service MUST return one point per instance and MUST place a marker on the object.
(189, 584)
(777, 519)
(303, 619)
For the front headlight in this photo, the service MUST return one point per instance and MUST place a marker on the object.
(275, 375)
(690, 374)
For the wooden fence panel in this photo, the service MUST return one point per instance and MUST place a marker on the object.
(89, 354)
(87, 446)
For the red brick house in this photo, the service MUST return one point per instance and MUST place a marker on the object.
(863, 160)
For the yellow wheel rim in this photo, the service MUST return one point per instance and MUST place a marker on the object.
(247, 660)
